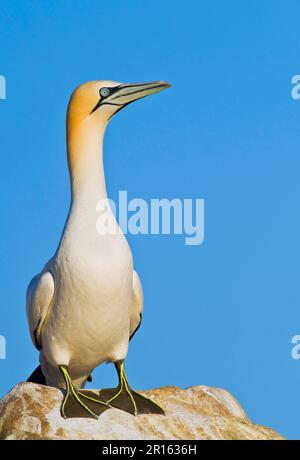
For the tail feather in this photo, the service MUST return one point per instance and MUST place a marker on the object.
(37, 376)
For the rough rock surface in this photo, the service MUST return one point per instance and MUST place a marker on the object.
(31, 411)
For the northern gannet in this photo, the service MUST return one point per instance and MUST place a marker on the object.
(87, 302)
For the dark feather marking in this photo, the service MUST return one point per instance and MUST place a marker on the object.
(37, 376)
(141, 316)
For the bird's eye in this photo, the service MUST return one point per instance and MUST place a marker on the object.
(104, 92)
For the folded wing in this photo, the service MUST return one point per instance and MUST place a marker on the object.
(39, 297)
(137, 305)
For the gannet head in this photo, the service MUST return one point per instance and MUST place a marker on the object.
(100, 100)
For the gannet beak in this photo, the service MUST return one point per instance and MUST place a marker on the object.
(124, 94)
(127, 93)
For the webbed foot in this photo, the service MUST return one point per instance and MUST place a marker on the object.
(80, 403)
(125, 398)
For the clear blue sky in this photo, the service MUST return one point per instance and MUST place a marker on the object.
(220, 314)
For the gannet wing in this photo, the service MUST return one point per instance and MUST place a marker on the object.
(137, 305)
(38, 301)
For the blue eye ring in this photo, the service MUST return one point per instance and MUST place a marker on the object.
(104, 92)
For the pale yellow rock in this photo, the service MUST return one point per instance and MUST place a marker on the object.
(31, 411)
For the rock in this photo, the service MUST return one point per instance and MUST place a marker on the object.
(31, 411)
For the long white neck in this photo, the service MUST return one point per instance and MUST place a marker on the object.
(85, 157)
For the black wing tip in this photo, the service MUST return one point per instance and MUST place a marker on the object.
(37, 376)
